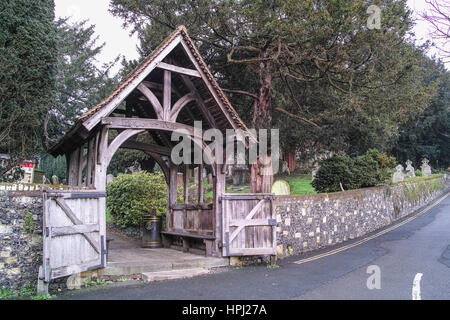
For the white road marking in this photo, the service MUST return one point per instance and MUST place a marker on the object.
(416, 287)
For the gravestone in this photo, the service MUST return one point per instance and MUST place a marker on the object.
(410, 172)
(55, 180)
(239, 172)
(196, 175)
(281, 188)
(45, 180)
(109, 178)
(398, 175)
(426, 169)
(285, 167)
(314, 172)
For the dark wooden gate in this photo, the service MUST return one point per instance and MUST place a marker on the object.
(74, 232)
(249, 226)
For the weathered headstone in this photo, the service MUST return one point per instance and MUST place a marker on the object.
(109, 178)
(285, 167)
(45, 180)
(398, 175)
(55, 179)
(410, 172)
(314, 172)
(239, 172)
(426, 169)
(280, 188)
(196, 175)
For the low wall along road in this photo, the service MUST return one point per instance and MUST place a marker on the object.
(310, 222)
(304, 223)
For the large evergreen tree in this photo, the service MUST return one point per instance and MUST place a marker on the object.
(81, 84)
(312, 68)
(27, 74)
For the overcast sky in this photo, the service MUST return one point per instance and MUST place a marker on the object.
(119, 42)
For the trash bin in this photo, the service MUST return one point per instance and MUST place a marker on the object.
(151, 231)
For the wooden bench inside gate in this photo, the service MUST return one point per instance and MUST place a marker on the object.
(208, 240)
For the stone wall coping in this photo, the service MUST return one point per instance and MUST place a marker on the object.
(350, 193)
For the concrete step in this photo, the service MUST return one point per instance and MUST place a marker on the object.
(173, 274)
(118, 269)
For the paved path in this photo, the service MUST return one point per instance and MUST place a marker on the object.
(420, 246)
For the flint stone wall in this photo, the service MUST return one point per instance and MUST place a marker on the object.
(21, 239)
(310, 222)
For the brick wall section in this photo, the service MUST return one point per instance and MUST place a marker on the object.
(20, 238)
(310, 222)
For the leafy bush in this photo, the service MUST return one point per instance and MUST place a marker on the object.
(332, 172)
(371, 169)
(130, 196)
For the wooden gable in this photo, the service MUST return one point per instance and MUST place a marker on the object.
(193, 94)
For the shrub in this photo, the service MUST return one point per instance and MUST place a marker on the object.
(371, 169)
(130, 196)
(332, 172)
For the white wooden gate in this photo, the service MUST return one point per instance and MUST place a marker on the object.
(249, 226)
(74, 232)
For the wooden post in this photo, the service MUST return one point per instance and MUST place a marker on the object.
(218, 191)
(200, 183)
(72, 175)
(186, 184)
(90, 161)
(172, 200)
(80, 166)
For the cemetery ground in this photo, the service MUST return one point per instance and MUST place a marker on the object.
(413, 246)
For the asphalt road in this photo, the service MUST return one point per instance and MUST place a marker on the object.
(421, 246)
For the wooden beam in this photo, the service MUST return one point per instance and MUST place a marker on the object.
(122, 94)
(209, 85)
(117, 142)
(179, 105)
(176, 69)
(102, 145)
(147, 124)
(209, 118)
(146, 147)
(162, 164)
(167, 95)
(152, 99)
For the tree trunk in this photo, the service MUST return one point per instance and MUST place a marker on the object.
(262, 177)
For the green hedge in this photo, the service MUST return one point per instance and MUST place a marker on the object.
(130, 196)
(371, 169)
